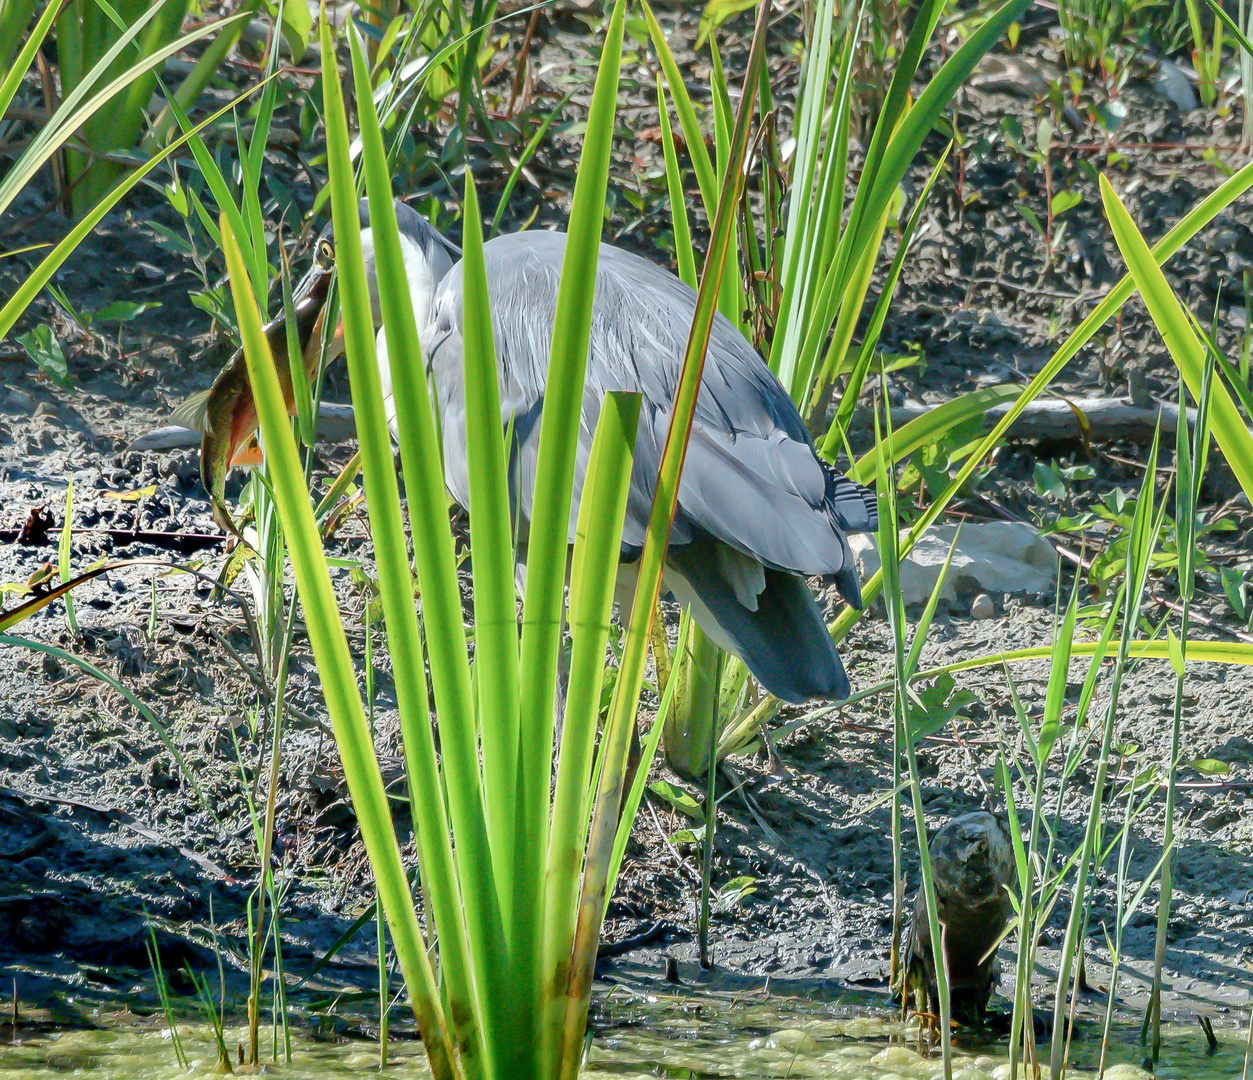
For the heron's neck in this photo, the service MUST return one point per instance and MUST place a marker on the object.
(422, 281)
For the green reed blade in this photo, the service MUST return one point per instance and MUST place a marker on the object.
(626, 695)
(461, 889)
(602, 511)
(648, 753)
(1205, 212)
(26, 57)
(335, 670)
(491, 541)
(74, 111)
(42, 274)
(870, 337)
(684, 253)
(693, 136)
(549, 534)
(1185, 349)
(801, 237)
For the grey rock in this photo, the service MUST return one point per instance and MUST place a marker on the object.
(1171, 81)
(990, 557)
(19, 401)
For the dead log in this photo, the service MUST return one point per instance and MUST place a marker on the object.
(1106, 420)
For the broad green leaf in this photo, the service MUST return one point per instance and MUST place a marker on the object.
(1175, 652)
(1209, 766)
(1065, 200)
(1030, 216)
(716, 13)
(41, 345)
(678, 799)
(684, 254)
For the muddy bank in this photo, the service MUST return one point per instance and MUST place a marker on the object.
(104, 834)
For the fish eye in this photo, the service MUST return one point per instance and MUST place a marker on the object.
(326, 253)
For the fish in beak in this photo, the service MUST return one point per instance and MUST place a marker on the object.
(226, 413)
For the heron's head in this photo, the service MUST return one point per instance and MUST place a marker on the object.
(230, 416)
(428, 255)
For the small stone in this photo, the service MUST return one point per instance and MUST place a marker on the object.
(982, 607)
(37, 866)
(148, 272)
(183, 467)
(1171, 82)
(17, 401)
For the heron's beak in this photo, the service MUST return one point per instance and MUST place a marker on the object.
(229, 420)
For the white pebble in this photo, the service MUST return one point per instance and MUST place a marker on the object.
(982, 608)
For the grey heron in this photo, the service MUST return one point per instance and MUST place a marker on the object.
(758, 510)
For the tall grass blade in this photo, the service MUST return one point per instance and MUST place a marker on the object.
(24, 58)
(461, 891)
(335, 668)
(549, 533)
(1185, 348)
(1190, 455)
(1142, 539)
(42, 274)
(626, 696)
(1212, 205)
(602, 511)
(693, 135)
(491, 541)
(74, 111)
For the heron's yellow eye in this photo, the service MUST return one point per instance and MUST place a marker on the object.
(326, 253)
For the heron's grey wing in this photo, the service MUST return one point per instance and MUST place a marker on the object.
(752, 479)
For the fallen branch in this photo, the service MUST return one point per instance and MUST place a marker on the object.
(335, 424)
(1106, 419)
(1052, 419)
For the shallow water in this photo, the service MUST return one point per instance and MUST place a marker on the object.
(647, 1036)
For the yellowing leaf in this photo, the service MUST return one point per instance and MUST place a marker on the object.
(131, 496)
(1175, 652)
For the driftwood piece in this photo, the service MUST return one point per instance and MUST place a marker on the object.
(1051, 419)
(1055, 419)
(335, 424)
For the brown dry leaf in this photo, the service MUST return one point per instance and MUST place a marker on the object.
(131, 496)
